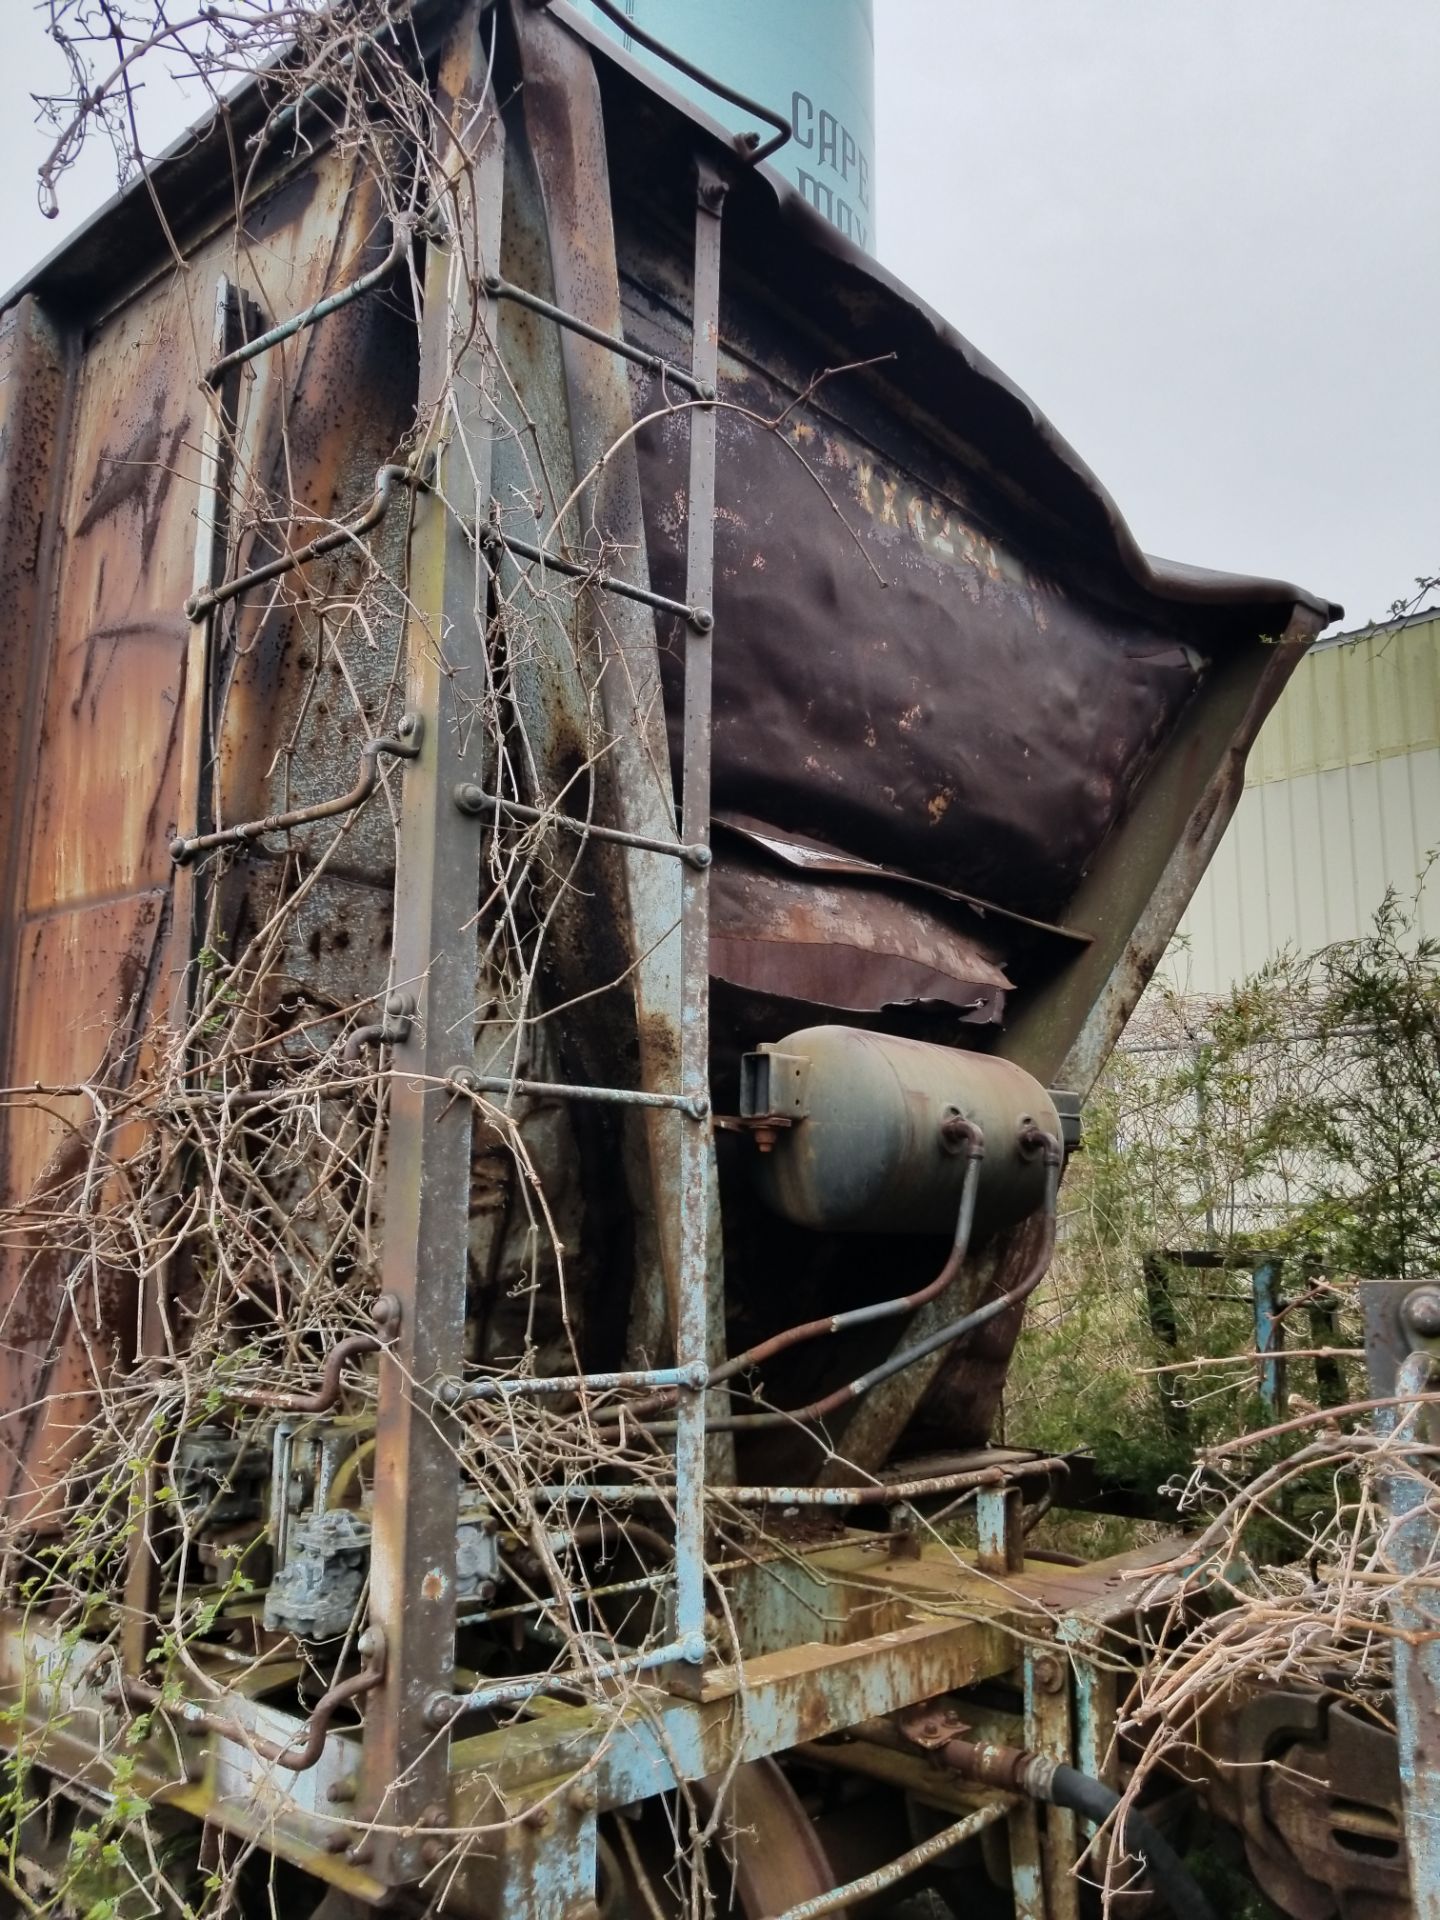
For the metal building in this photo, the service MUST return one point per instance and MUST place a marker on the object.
(1341, 802)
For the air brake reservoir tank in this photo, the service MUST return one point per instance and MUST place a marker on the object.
(812, 60)
(864, 1142)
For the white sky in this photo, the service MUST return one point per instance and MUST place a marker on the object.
(1203, 234)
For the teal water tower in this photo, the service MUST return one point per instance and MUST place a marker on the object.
(812, 60)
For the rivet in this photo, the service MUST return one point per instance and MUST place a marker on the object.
(1421, 1312)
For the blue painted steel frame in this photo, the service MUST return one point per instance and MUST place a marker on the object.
(1269, 1334)
(1412, 1497)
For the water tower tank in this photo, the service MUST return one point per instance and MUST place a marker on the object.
(813, 60)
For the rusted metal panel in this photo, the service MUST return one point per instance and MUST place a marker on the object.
(1136, 890)
(96, 793)
(849, 946)
(907, 681)
(86, 988)
(34, 395)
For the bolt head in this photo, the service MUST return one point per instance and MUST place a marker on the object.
(1049, 1674)
(1421, 1312)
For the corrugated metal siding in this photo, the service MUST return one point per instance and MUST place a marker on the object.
(1355, 699)
(1342, 801)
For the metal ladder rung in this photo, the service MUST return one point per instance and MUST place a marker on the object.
(499, 289)
(694, 1106)
(456, 1393)
(405, 747)
(492, 540)
(328, 303)
(475, 800)
(346, 534)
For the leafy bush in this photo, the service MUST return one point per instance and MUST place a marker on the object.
(1299, 1118)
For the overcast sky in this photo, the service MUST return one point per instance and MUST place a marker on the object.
(1203, 234)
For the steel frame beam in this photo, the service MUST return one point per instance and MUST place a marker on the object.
(565, 135)
(1402, 1352)
(427, 1192)
(963, 1627)
(1143, 877)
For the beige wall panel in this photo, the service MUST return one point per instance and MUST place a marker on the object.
(1307, 862)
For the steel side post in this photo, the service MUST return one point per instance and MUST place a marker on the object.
(691, 1320)
(417, 1477)
(1410, 1493)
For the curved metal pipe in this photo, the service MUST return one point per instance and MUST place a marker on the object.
(1041, 1778)
(972, 1145)
(387, 1032)
(370, 516)
(404, 748)
(326, 1394)
(1045, 1143)
(296, 1755)
(331, 303)
(746, 145)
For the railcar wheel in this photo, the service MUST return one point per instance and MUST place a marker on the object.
(769, 1859)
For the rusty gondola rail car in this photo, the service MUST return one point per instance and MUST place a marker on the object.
(952, 755)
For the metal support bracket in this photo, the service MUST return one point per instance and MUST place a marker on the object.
(389, 1032)
(474, 800)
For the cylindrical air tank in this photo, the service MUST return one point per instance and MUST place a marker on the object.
(812, 60)
(862, 1140)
